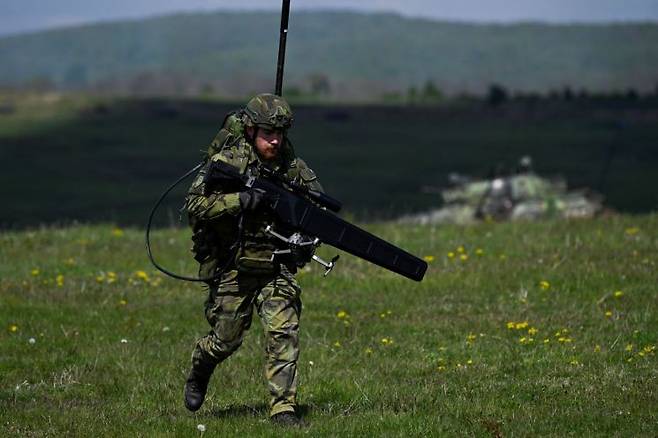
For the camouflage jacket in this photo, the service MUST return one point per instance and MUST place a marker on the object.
(214, 212)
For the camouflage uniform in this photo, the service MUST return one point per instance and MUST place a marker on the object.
(251, 279)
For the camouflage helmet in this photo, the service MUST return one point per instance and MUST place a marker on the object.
(268, 111)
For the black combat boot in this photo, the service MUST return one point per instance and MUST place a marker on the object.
(197, 385)
(287, 419)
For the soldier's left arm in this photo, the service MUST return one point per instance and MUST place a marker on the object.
(306, 176)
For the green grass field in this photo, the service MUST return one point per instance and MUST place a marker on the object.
(521, 329)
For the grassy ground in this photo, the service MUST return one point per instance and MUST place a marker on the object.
(521, 329)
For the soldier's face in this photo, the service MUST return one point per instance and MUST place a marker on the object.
(268, 143)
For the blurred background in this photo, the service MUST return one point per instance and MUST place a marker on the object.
(103, 106)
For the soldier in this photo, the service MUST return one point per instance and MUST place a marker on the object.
(230, 237)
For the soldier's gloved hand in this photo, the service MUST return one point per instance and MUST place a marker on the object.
(253, 199)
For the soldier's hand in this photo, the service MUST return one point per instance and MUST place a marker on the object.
(253, 199)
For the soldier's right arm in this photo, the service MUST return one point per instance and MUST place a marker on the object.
(204, 204)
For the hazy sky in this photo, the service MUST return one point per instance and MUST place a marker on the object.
(27, 15)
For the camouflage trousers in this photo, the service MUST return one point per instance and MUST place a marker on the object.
(229, 309)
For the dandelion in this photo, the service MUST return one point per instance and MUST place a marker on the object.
(521, 325)
(111, 277)
(479, 252)
(546, 340)
(368, 350)
(629, 347)
(117, 232)
(123, 302)
(544, 285)
(470, 338)
(618, 294)
(574, 362)
(60, 280)
(523, 340)
(441, 368)
(511, 325)
(201, 427)
(469, 362)
(35, 272)
(141, 275)
(597, 348)
(461, 249)
(13, 328)
(451, 255)
(337, 344)
(632, 231)
(387, 341)
(100, 278)
(463, 257)
(342, 314)
(564, 340)
(608, 313)
(429, 258)
(532, 331)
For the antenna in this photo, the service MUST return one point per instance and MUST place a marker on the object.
(283, 38)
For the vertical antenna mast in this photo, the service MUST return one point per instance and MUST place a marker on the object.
(285, 15)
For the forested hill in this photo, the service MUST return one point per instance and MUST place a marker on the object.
(339, 53)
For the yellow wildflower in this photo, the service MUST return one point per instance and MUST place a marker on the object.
(387, 341)
(463, 257)
(479, 252)
(117, 232)
(597, 348)
(618, 294)
(441, 368)
(629, 347)
(521, 325)
(451, 255)
(35, 272)
(428, 258)
(532, 331)
(142, 275)
(100, 278)
(471, 338)
(546, 340)
(123, 302)
(13, 328)
(337, 344)
(368, 350)
(469, 362)
(544, 285)
(511, 325)
(608, 313)
(574, 362)
(60, 280)
(461, 249)
(342, 314)
(632, 231)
